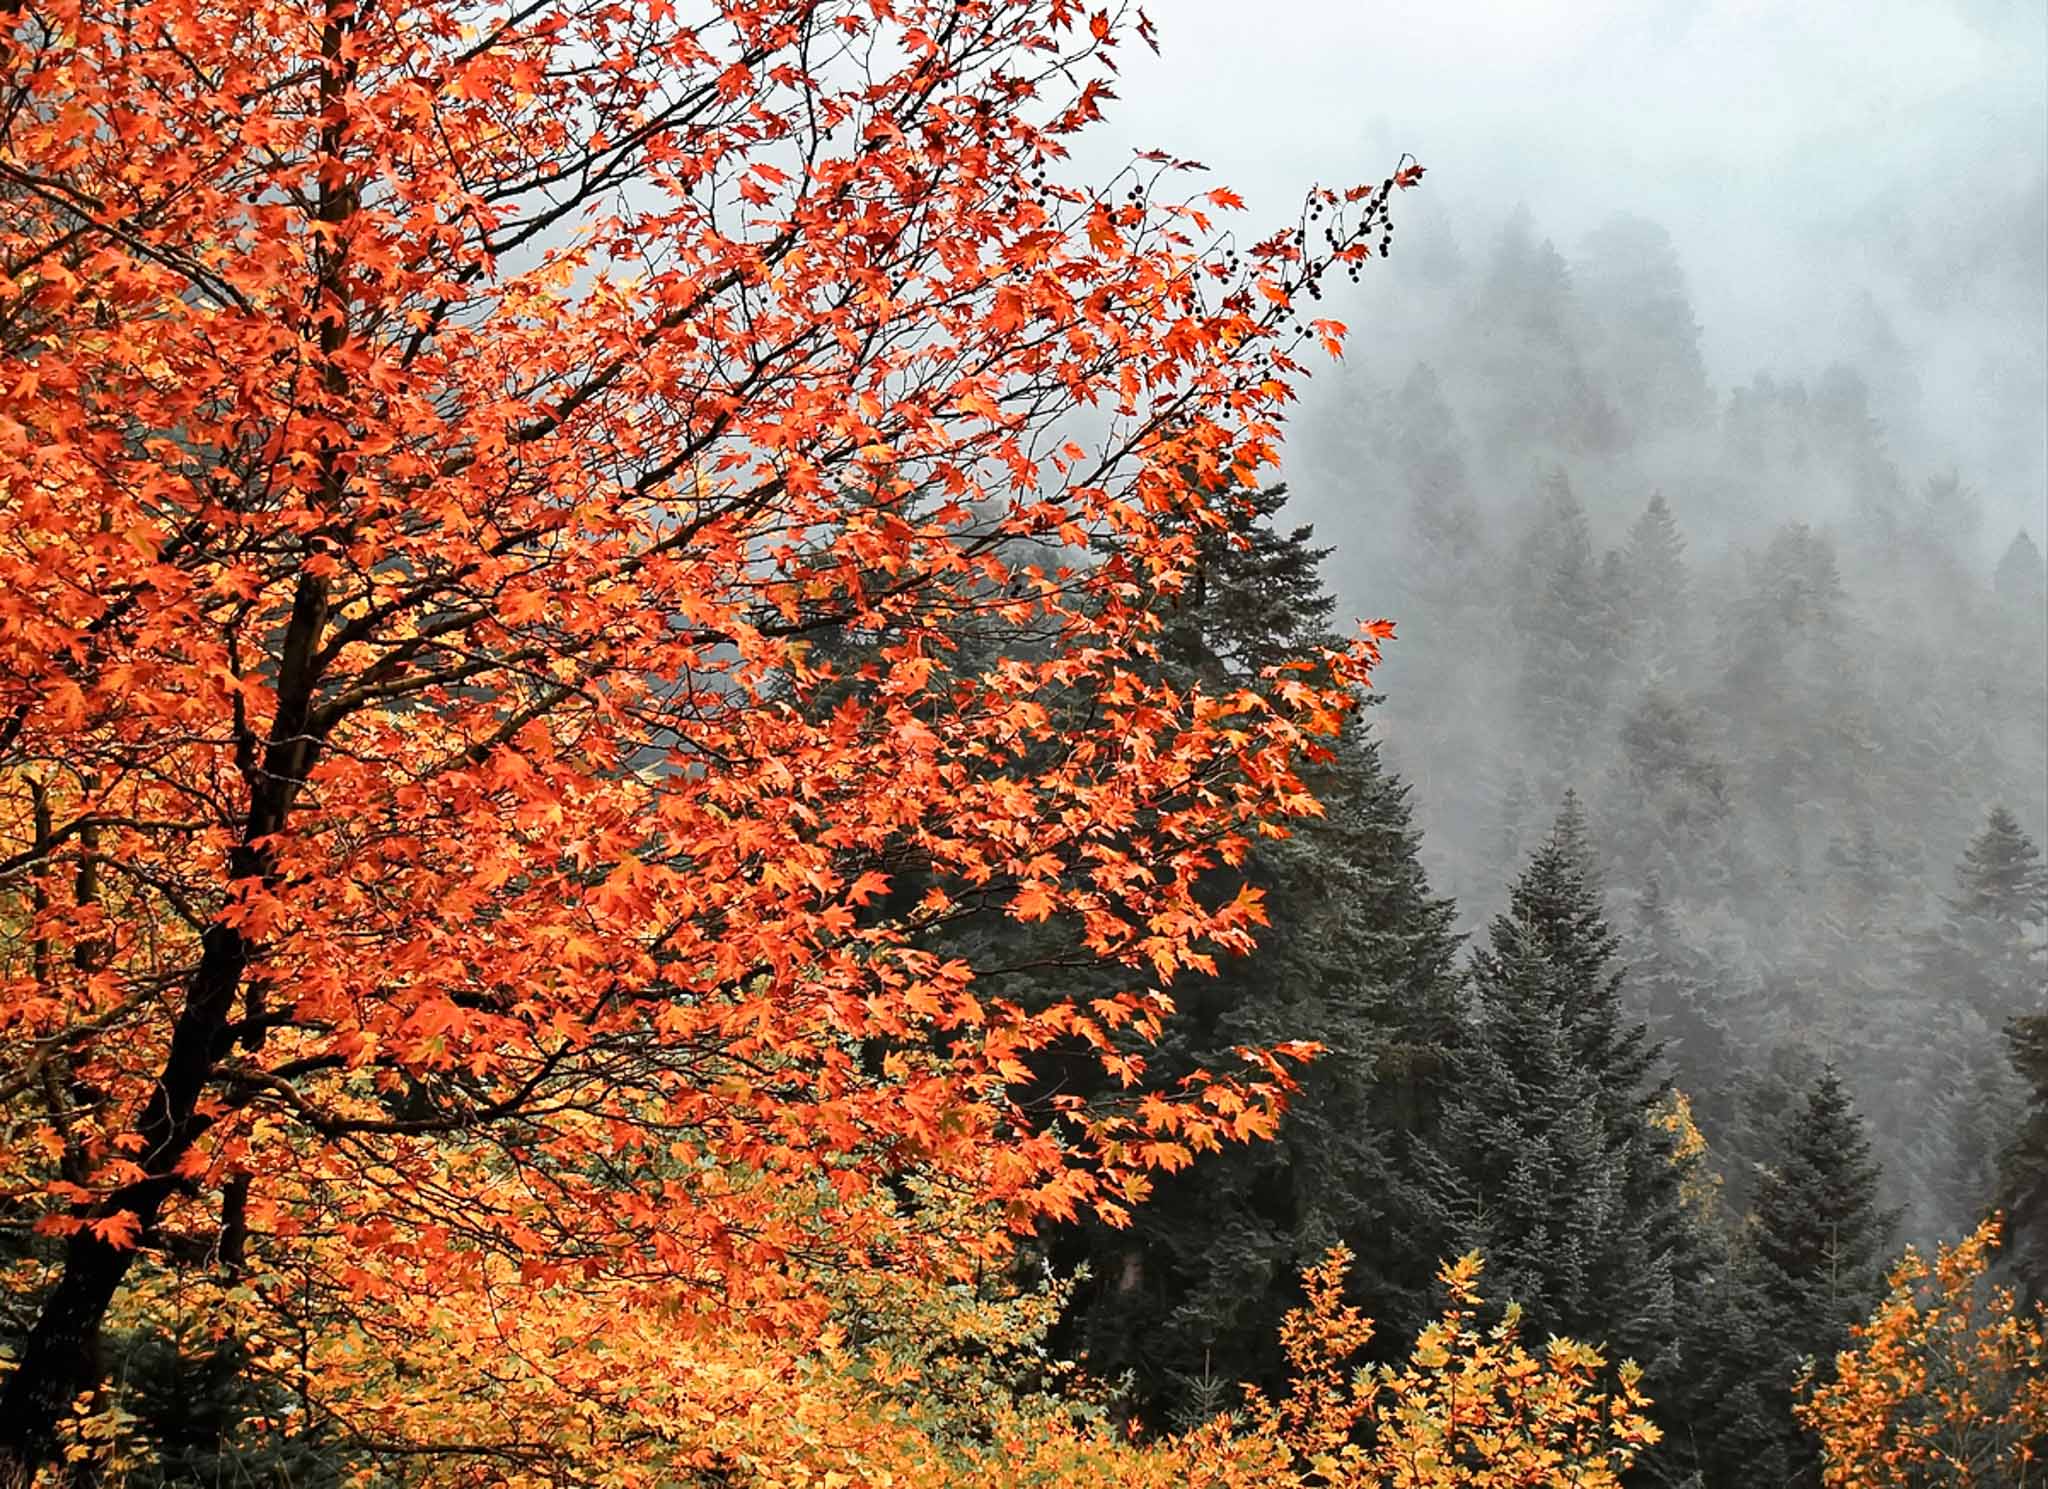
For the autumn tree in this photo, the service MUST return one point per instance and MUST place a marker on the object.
(428, 443)
(1470, 1406)
(1946, 1384)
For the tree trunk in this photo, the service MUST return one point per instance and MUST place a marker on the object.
(60, 1359)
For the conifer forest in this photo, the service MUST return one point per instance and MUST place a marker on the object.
(742, 746)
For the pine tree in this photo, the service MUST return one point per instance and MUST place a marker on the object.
(2023, 1168)
(1852, 443)
(1654, 562)
(202, 1417)
(1821, 1237)
(1768, 1090)
(1361, 959)
(1635, 291)
(2020, 579)
(1615, 616)
(1195, 1287)
(1811, 1267)
(1674, 988)
(1981, 967)
(1666, 812)
(1256, 597)
(1527, 332)
(1549, 1162)
(1794, 709)
(1567, 650)
(2001, 877)
(1428, 450)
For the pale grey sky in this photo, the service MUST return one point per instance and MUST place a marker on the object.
(1801, 152)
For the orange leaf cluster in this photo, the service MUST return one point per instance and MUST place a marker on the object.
(914, 1381)
(435, 850)
(1947, 1383)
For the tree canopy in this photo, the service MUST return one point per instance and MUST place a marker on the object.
(433, 433)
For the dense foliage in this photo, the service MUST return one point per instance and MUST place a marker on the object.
(680, 806)
(1947, 1384)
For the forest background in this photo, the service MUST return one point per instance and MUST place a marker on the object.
(777, 867)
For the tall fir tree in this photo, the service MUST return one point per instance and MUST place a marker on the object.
(1427, 448)
(1666, 812)
(1549, 1159)
(1658, 592)
(1980, 968)
(1821, 1235)
(1810, 1266)
(1526, 336)
(1256, 597)
(1794, 709)
(1187, 1300)
(1635, 292)
(1567, 649)
(2021, 580)
(2023, 1168)
(1676, 990)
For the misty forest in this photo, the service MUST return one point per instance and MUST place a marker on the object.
(700, 783)
(1678, 924)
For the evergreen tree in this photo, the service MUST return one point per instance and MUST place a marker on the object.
(1189, 1297)
(1195, 1288)
(1616, 613)
(1976, 1105)
(1851, 444)
(2023, 1169)
(202, 1417)
(1981, 967)
(1428, 450)
(1667, 807)
(1795, 711)
(1674, 989)
(2001, 878)
(1528, 332)
(1821, 1236)
(1654, 562)
(1635, 291)
(1811, 1266)
(1548, 1161)
(1563, 619)
(1256, 597)
(2020, 579)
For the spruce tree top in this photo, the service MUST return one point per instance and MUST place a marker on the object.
(2001, 874)
(1557, 900)
(2020, 576)
(1655, 545)
(1818, 1223)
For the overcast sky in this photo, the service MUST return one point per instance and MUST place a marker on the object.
(1801, 152)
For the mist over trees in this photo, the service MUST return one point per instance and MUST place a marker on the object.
(748, 845)
(1802, 695)
(1722, 734)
